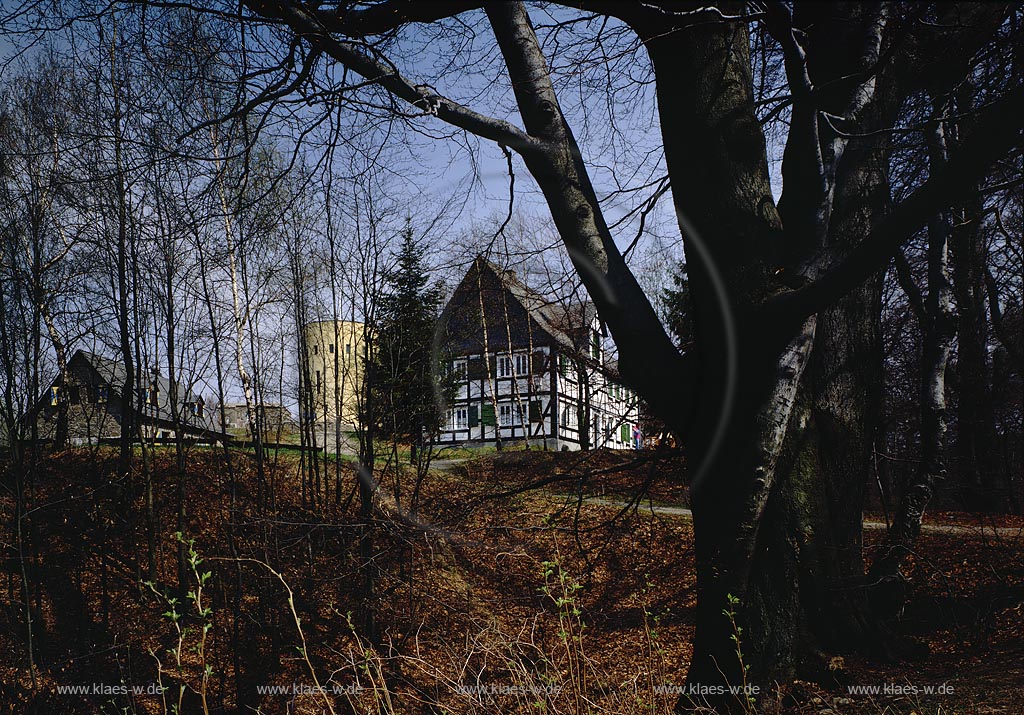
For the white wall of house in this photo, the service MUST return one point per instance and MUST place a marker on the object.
(542, 408)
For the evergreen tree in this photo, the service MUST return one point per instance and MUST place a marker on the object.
(677, 312)
(405, 371)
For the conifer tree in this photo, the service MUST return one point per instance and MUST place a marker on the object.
(405, 371)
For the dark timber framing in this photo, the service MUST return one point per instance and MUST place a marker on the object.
(528, 369)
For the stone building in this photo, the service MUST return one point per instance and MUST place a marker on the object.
(276, 419)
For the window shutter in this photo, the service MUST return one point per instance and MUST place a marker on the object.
(625, 432)
(474, 415)
(487, 415)
(535, 411)
(539, 366)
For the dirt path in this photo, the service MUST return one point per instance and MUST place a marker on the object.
(978, 530)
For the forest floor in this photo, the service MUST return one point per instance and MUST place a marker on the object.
(521, 582)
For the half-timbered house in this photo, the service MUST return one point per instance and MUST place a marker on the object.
(527, 368)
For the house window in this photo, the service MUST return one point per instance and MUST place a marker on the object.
(151, 396)
(504, 366)
(510, 414)
(54, 396)
(459, 371)
(460, 418)
(568, 416)
(522, 364)
(102, 392)
(595, 344)
(318, 387)
(316, 349)
(331, 348)
(348, 349)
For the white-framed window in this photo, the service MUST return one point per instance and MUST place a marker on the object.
(568, 415)
(566, 368)
(510, 413)
(459, 370)
(459, 418)
(523, 364)
(504, 366)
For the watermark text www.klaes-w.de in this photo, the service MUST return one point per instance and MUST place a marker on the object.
(900, 689)
(110, 689)
(293, 689)
(706, 691)
(499, 689)
(121, 689)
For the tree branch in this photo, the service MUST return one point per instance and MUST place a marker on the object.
(905, 277)
(648, 360)
(998, 130)
(307, 25)
(390, 15)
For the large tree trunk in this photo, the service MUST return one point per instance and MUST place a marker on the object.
(829, 454)
(730, 228)
(778, 543)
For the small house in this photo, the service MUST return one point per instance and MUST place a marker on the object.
(91, 396)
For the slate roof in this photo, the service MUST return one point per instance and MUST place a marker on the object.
(112, 373)
(563, 322)
(568, 326)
